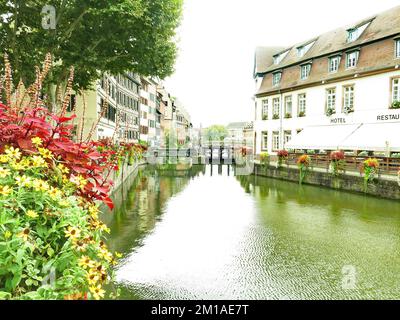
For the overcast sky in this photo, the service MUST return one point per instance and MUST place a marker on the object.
(217, 40)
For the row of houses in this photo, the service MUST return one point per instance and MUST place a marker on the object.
(339, 90)
(130, 108)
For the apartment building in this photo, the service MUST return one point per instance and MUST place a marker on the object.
(117, 98)
(339, 90)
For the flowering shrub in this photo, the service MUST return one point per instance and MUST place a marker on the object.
(49, 187)
(303, 163)
(282, 156)
(337, 162)
(370, 168)
(264, 158)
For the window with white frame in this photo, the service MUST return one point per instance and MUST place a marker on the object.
(276, 108)
(331, 99)
(287, 136)
(275, 140)
(334, 63)
(397, 43)
(264, 140)
(395, 90)
(276, 78)
(288, 106)
(305, 71)
(352, 58)
(302, 50)
(302, 105)
(264, 110)
(354, 33)
(279, 57)
(348, 99)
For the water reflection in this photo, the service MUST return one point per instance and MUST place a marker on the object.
(206, 234)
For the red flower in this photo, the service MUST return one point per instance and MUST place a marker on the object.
(337, 155)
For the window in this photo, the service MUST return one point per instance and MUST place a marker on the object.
(264, 111)
(276, 78)
(287, 136)
(279, 57)
(264, 140)
(348, 99)
(302, 50)
(395, 90)
(305, 71)
(352, 58)
(276, 108)
(275, 141)
(288, 107)
(354, 33)
(397, 42)
(331, 99)
(302, 105)
(334, 63)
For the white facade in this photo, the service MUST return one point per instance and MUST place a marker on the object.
(372, 98)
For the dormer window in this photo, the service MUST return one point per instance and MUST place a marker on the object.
(302, 50)
(352, 59)
(334, 63)
(276, 78)
(354, 33)
(305, 70)
(279, 57)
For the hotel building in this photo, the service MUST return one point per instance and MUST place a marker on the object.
(340, 90)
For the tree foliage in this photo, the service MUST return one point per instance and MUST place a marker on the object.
(215, 133)
(94, 36)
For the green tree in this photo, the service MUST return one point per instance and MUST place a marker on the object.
(94, 36)
(215, 133)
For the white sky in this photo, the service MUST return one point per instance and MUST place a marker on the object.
(214, 70)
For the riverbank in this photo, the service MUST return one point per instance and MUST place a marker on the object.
(383, 187)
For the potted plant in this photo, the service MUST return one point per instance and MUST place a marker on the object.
(337, 162)
(275, 116)
(395, 105)
(302, 114)
(288, 115)
(264, 158)
(330, 111)
(282, 157)
(303, 163)
(265, 117)
(370, 168)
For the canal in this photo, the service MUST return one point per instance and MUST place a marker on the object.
(206, 234)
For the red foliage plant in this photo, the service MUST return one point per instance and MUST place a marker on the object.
(283, 154)
(337, 155)
(28, 117)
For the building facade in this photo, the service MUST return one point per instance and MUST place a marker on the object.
(339, 90)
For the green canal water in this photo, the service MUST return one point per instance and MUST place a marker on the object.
(206, 234)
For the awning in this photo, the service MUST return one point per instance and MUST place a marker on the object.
(328, 137)
(382, 137)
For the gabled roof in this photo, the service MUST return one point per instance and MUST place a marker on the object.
(383, 25)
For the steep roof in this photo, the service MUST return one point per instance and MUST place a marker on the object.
(264, 58)
(236, 125)
(382, 25)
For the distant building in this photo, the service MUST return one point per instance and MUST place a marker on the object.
(236, 132)
(340, 90)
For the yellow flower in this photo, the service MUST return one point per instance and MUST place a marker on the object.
(18, 166)
(97, 292)
(39, 162)
(63, 168)
(24, 234)
(85, 262)
(23, 181)
(93, 278)
(94, 211)
(40, 185)
(13, 153)
(5, 190)
(4, 172)
(7, 234)
(118, 255)
(105, 254)
(4, 158)
(32, 214)
(45, 153)
(79, 181)
(37, 141)
(80, 246)
(72, 232)
(64, 203)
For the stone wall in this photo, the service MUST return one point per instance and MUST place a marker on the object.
(126, 173)
(347, 182)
